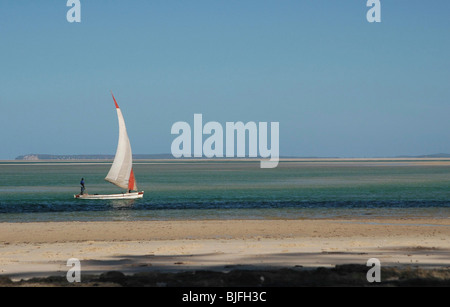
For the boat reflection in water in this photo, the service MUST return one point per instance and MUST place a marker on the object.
(122, 203)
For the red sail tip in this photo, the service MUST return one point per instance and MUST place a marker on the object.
(115, 102)
(132, 182)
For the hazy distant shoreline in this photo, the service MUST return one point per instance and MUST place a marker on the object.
(46, 157)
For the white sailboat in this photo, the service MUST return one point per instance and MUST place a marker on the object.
(121, 172)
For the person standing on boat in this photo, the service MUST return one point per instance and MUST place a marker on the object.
(82, 186)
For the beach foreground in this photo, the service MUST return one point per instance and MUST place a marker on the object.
(30, 250)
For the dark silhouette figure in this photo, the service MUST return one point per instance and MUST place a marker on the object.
(82, 186)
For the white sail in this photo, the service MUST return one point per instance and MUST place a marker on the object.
(121, 172)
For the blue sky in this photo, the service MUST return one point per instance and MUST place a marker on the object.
(338, 85)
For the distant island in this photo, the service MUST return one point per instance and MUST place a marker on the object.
(37, 157)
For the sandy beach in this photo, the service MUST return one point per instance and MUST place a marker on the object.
(42, 249)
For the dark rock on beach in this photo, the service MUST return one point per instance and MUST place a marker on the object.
(350, 275)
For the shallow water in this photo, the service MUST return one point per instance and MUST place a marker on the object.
(227, 190)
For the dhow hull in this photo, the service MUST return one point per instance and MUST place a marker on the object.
(132, 195)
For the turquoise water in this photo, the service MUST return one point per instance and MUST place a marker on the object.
(227, 190)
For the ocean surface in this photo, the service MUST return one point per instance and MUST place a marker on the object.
(43, 191)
